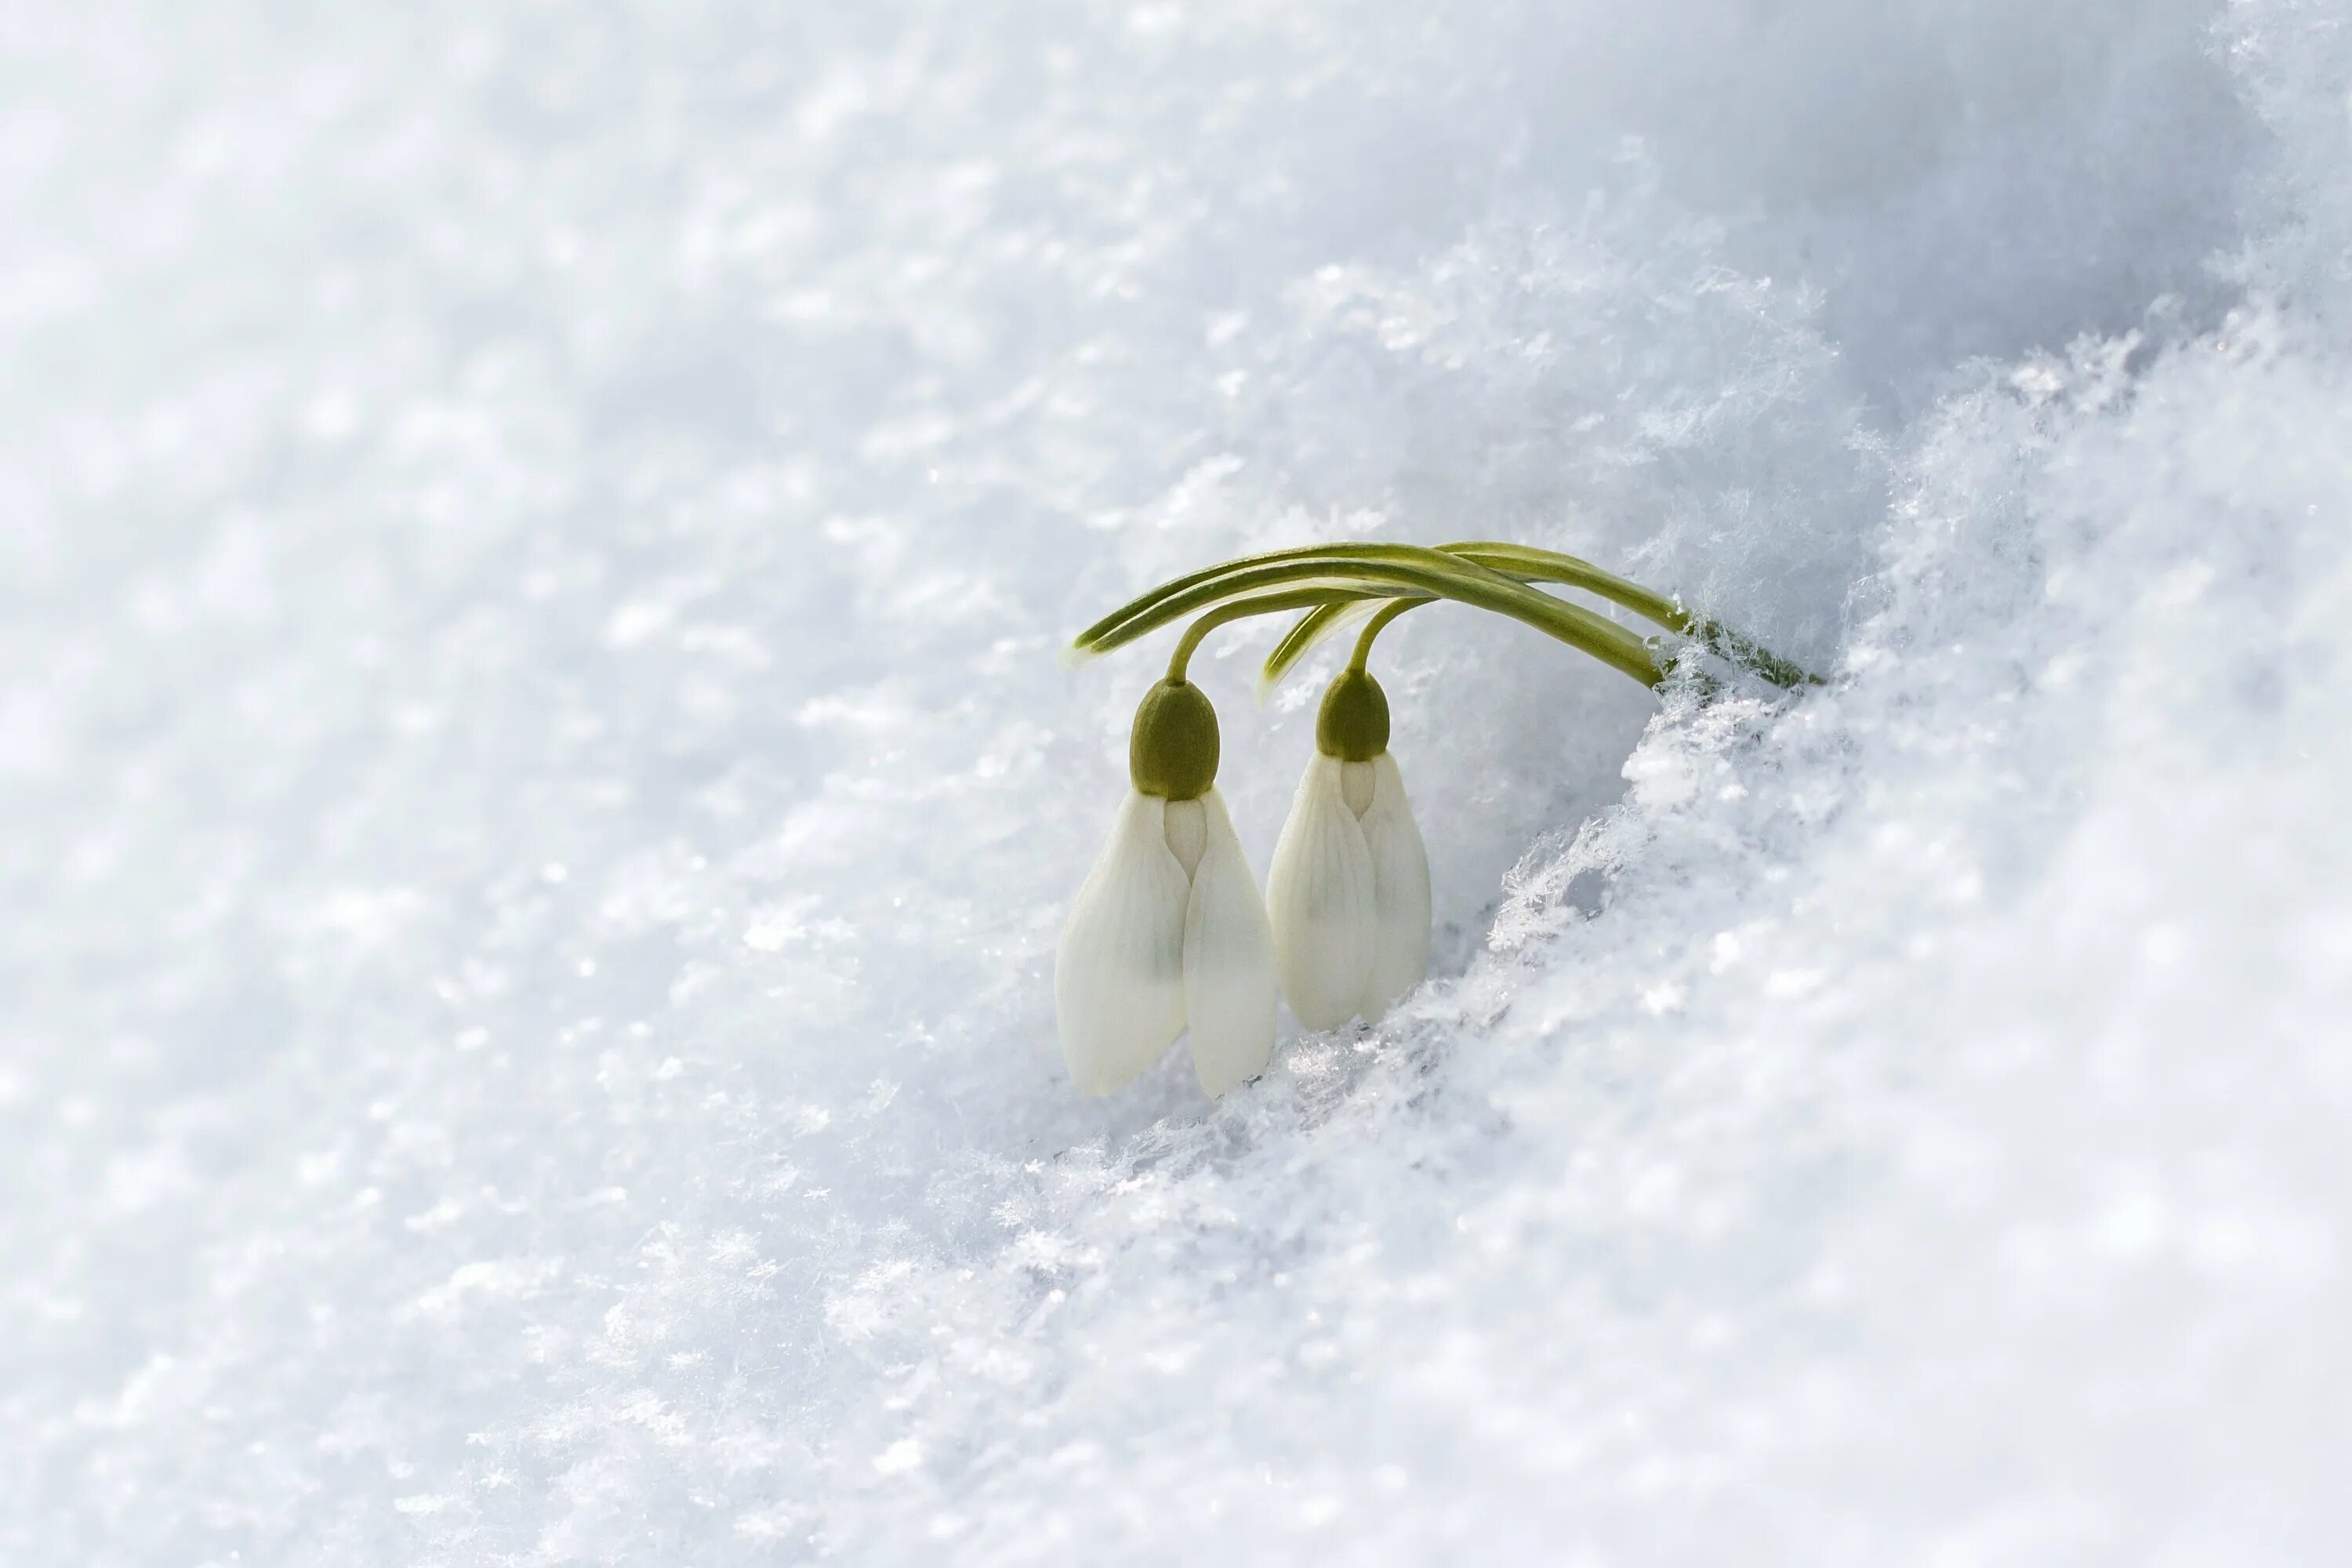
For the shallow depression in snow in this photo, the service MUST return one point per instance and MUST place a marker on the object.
(540, 796)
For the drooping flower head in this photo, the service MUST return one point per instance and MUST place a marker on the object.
(1348, 892)
(1168, 932)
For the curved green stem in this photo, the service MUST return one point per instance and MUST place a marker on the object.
(1522, 561)
(1386, 570)
(1229, 577)
(1086, 641)
(1375, 627)
(1526, 562)
(1530, 564)
(1327, 580)
(1263, 605)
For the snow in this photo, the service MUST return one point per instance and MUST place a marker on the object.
(540, 794)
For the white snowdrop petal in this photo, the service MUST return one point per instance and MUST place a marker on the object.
(1400, 890)
(1229, 985)
(1118, 981)
(1188, 833)
(1319, 896)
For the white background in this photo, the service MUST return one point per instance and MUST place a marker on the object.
(536, 794)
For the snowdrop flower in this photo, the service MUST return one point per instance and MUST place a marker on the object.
(1168, 930)
(1349, 892)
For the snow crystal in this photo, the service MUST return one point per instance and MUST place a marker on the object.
(534, 542)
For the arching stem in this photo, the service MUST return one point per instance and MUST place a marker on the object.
(1530, 564)
(1393, 570)
(1240, 609)
(1377, 625)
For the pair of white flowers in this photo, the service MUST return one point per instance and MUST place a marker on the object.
(1168, 932)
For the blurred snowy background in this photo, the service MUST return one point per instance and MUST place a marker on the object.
(536, 794)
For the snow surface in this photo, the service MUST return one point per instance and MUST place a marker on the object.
(538, 795)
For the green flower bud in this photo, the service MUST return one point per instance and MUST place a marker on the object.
(1172, 751)
(1353, 724)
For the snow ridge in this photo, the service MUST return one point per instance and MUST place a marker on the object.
(541, 796)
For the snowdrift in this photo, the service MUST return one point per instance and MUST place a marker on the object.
(540, 794)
